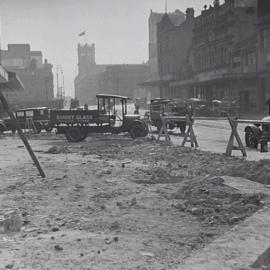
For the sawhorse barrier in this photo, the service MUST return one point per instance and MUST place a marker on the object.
(234, 134)
(189, 135)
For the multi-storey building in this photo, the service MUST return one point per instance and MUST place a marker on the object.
(35, 75)
(264, 46)
(222, 61)
(151, 85)
(86, 82)
(176, 17)
(174, 43)
(93, 78)
(123, 79)
(225, 57)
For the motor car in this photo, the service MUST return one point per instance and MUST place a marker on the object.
(169, 107)
(35, 119)
(256, 132)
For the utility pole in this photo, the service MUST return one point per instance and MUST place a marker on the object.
(57, 82)
(63, 83)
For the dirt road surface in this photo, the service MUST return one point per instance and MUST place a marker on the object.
(116, 203)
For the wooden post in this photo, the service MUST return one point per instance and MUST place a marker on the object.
(234, 134)
(190, 134)
(21, 134)
(164, 131)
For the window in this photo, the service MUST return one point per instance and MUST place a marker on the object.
(265, 38)
(20, 114)
(29, 113)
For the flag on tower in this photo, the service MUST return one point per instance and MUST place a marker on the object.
(82, 34)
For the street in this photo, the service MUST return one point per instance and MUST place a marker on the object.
(116, 203)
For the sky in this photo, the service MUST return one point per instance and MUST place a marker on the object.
(119, 29)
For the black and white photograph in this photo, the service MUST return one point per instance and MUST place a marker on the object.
(135, 135)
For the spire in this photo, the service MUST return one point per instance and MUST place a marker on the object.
(166, 6)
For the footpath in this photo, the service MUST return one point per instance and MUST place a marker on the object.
(239, 248)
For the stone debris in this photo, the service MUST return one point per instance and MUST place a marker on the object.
(10, 221)
(58, 150)
(58, 248)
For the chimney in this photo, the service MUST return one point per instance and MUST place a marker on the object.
(190, 13)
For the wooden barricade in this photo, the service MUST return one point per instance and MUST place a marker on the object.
(234, 134)
(163, 132)
(189, 135)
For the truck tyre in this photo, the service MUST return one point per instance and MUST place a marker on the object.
(48, 128)
(138, 130)
(84, 134)
(74, 134)
(38, 128)
(251, 140)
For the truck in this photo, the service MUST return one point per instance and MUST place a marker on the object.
(110, 116)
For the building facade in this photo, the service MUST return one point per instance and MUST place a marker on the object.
(92, 78)
(264, 47)
(35, 75)
(150, 87)
(174, 43)
(124, 79)
(225, 54)
(87, 81)
(223, 59)
(176, 17)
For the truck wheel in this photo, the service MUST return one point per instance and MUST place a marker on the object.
(138, 130)
(251, 140)
(171, 126)
(182, 127)
(38, 128)
(84, 134)
(74, 134)
(48, 128)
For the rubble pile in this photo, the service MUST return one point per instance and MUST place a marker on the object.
(214, 203)
(58, 150)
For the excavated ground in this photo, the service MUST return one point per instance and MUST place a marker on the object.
(116, 203)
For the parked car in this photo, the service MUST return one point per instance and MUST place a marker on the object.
(173, 107)
(215, 107)
(254, 133)
(35, 119)
(2, 126)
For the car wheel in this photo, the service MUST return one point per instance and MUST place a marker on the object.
(251, 140)
(138, 130)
